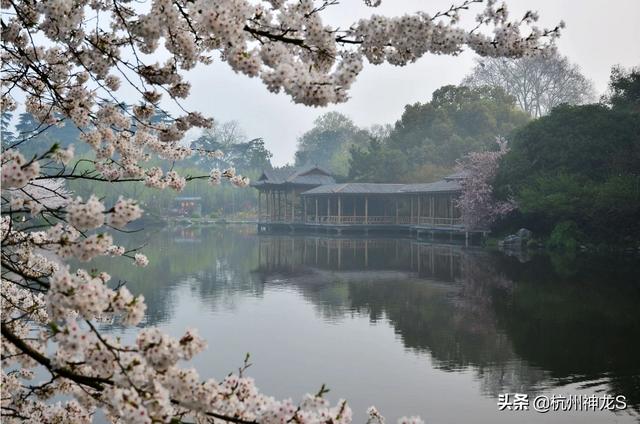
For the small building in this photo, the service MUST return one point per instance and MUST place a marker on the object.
(279, 191)
(187, 206)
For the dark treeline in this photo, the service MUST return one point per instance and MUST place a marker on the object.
(575, 172)
(428, 139)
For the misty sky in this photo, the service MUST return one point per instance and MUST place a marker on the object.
(599, 34)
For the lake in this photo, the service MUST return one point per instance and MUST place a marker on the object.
(423, 329)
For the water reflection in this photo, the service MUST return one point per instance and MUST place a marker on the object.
(519, 327)
(437, 297)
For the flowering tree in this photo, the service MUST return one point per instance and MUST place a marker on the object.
(476, 202)
(66, 60)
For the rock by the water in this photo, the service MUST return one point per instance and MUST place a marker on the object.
(512, 239)
(524, 234)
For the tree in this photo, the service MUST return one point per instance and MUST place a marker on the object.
(232, 149)
(67, 61)
(376, 163)
(222, 135)
(579, 164)
(624, 89)
(539, 83)
(327, 144)
(429, 137)
(476, 202)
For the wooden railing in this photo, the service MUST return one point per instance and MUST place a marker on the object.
(366, 220)
(439, 222)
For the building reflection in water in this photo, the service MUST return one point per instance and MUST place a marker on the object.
(514, 324)
(519, 326)
(291, 255)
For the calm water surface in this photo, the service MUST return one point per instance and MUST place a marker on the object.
(415, 329)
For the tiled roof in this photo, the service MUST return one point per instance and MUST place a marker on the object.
(442, 186)
(307, 175)
(357, 188)
(435, 187)
(460, 175)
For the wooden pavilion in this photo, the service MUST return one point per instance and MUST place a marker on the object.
(310, 199)
(279, 192)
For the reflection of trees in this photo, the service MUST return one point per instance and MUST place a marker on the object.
(214, 262)
(516, 325)
(580, 321)
(437, 297)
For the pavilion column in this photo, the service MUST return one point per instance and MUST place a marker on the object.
(432, 201)
(273, 205)
(366, 209)
(328, 206)
(283, 206)
(339, 210)
(293, 206)
(412, 210)
(286, 205)
(316, 217)
(304, 199)
(451, 208)
(259, 206)
(396, 210)
(419, 202)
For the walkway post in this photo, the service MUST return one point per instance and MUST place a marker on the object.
(419, 202)
(328, 206)
(339, 211)
(366, 209)
(305, 210)
(432, 207)
(259, 206)
(396, 211)
(412, 210)
(273, 205)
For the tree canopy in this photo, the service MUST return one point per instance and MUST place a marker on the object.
(580, 164)
(538, 83)
(429, 137)
(327, 144)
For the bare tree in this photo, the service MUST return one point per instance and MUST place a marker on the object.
(539, 83)
(226, 134)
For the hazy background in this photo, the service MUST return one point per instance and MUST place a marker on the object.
(599, 34)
